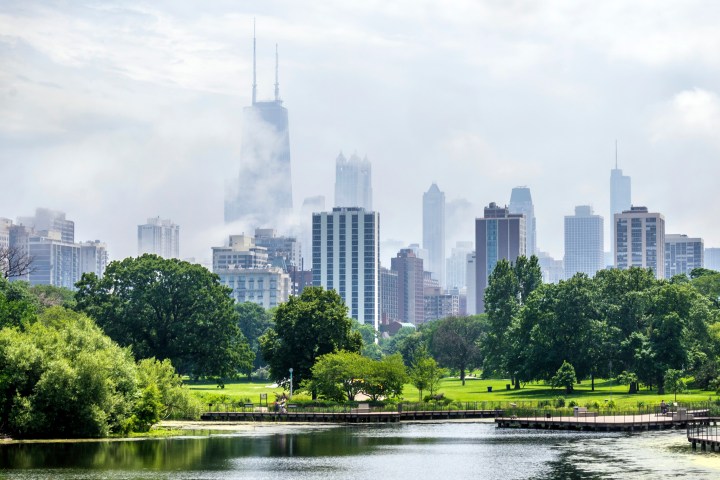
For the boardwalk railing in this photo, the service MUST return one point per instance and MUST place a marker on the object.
(706, 433)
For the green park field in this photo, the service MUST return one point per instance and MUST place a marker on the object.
(476, 390)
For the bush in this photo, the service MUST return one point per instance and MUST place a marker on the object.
(262, 373)
(572, 404)
(559, 402)
(611, 405)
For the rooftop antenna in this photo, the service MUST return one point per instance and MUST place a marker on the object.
(254, 86)
(277, 83)
(616, 163)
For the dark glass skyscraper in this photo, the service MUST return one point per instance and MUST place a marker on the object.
(261, 195)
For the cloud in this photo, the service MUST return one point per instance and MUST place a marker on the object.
(690, 115)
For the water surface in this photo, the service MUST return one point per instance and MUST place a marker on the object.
(417, 451)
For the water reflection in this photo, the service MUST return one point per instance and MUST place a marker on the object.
(456, 450)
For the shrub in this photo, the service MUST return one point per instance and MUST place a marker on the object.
(572, 404)
(559, 402)
(262, 373)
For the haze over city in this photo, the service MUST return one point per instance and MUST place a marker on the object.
(115, 113)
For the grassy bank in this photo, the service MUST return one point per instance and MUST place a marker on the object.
(476, 390)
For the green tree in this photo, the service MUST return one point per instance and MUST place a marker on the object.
(385, 378)
(528, 274)
(176, 399)
(564, 377)
(339, 375)
(63, 378)
(426, 374)
(147, 410)
(17, 306)
(253, 321)
(167, 308)
(502, 304)
(307, 327)
(455, 343)
(630, 379)
(674, 382)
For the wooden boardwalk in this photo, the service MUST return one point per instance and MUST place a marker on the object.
(604, 423)
(706, 433)
(349, 417)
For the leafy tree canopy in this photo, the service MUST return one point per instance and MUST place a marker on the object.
(168, 309)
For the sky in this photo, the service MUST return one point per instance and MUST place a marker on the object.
(118, 111)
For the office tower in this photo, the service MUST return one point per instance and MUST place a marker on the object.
(310, 205)
(456, 265)
(419, 252)
(240, 252)
(521, 203)
(46, 220)
(640, 240)
(93, 257)
(470, 275)
(388, 296)
(498, 235)
(159, 237)
(682, 254)
(353, 182)
(620, 198)
(411, 286)
(345, 258)
(551, 269)
(243, 266)
(434, 232)
(439, 304)
(282, 251)
(261, 195)
(712, 259)
(5, 224)
(584, 248)
(55, 262)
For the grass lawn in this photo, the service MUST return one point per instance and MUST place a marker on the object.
(475, 390)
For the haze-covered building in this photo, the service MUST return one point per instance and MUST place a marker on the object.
(682, 254)
(159, 237)
(521, 203)
(353, 182)
(434, 232)
(584, 245)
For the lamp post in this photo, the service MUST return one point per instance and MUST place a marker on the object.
(291, 370)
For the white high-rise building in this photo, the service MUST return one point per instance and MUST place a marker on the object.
(456, 274)
(583, 242)
(551, 269)
(521, 202)
(682, 254)
(434, 232)
(346, 258)
(620, 197)
(93, 257)
(712, 259)
(353, 182)
(159, 237)
(640, 240)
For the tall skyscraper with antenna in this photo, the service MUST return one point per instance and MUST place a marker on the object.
(261, 194)
(620, 199)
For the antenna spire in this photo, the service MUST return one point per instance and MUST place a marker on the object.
(254, 85)
(277, 82)
(616, 155)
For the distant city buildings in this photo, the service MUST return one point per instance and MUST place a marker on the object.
(456, 265)
(682, 254)
(389, 295)
(243, 266)
(160, 237)
(640, 240)
(620, 197)
(551, 269)
(283, 251)
(309, 206)
(521, 203)
(93, 257)
(434, 232)
(345, 257)
(712, 259)
(498, 235)
(584, 248)
(471, 276)
(353, 182)
(261, 194)
(411, 286)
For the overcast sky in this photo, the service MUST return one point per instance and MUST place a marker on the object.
(119, 111)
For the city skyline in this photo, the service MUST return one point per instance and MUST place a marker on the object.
(160, 127)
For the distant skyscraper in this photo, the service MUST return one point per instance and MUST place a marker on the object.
(283, 251)
(712, 259)
(640, 240)
(434, 232)
(388, 296)
(46, 220)
(93, 257)
(159, 237)
(471, 275)
(620, 196)
(261, 195)
(346, 258)
(583, 242)
(5, 224)
(521, 202)
(552, 270)
(353, 182)
(309, 206)
(682, 254)
(499, 234)
(456, 273)
(411, 286)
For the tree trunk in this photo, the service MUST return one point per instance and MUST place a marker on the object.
(462, 375)
(633, 387)
(517, 383)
